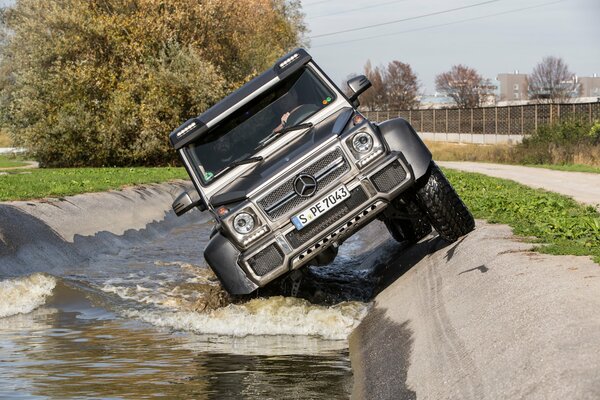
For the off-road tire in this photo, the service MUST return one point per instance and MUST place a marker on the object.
(444, 209)
(411, 230)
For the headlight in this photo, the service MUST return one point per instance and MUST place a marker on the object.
(243, 223)
(362, 142)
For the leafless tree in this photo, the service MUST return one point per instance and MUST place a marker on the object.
(552, 82)
(464, 85)
(394, 87)
(375, 98)
(402, 86)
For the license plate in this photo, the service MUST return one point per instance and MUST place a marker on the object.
(319, 208)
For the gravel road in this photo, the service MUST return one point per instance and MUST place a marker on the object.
(583, 187)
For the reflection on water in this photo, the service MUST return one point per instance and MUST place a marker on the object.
(52, 353)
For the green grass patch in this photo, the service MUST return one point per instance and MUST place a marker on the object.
(40, 183)
(569, 167)
(10, 161)
(563, 225)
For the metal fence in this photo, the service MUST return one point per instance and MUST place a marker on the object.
(509, 120)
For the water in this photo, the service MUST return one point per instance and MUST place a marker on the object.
(152, 321)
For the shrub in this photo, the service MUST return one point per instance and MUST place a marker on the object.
(594, 132)
(564, 142)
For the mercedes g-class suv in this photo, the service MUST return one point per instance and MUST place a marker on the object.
(289, 169)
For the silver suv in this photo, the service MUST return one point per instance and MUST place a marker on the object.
(290, 169)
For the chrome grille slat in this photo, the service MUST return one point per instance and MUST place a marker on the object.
(283, 199)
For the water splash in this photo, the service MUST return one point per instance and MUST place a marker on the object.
(263, 316)
(25, 294)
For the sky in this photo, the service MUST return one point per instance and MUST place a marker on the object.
(497, 36)
(492, 36)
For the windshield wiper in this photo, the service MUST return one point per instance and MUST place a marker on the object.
(287, 129)
(294, 128)
(248, 160)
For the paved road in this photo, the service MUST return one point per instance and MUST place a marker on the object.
(583, 187)
(483, 318)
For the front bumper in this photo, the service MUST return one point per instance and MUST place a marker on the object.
(287, 248)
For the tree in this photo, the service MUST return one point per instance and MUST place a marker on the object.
(464, 85)
(394, 87)
(552, 82)
(374, 98)
(104, 82)
(402, 86)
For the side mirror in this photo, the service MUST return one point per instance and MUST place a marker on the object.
(358, 85)
(186, 201)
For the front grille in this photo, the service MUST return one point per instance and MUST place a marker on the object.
(389, 177)
(266, 260)
(283, 199)
(297, 238)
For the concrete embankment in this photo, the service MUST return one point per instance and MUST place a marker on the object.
(483, 318)
(37, 235)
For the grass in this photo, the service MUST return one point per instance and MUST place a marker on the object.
(470, 152)
(41, 183)
(495, 153)
(560, 223)
(10, 161)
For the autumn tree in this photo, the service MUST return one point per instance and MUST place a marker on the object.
(464, 85)
(104, 82)
(551, 81)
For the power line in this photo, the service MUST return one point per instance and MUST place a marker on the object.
(439, 25)
(358, 9)
(314, 3)
(404, 19)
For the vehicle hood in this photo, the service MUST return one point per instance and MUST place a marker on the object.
(297, 146)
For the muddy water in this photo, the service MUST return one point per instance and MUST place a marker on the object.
(152, 321)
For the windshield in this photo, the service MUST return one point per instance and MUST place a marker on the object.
(245, 131)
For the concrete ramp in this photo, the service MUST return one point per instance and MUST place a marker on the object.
(483, 318)
(37, 235)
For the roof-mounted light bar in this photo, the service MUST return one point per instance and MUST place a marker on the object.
(187, 129)
(289, 60)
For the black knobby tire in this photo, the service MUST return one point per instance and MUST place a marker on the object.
(411, 230)
(443, 207)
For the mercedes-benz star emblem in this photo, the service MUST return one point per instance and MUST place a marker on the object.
(305, 185)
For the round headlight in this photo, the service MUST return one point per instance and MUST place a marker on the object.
(243, 223)
(362, 142)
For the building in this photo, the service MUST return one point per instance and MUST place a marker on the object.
(437, 100)
(590, 86)
(513, 87)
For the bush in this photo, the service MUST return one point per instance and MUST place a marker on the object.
(595, 132)
(565, 142)
(88, 83)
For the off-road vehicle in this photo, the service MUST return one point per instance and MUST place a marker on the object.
(289, 169)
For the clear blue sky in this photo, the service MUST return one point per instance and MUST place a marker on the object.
(503, 40)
